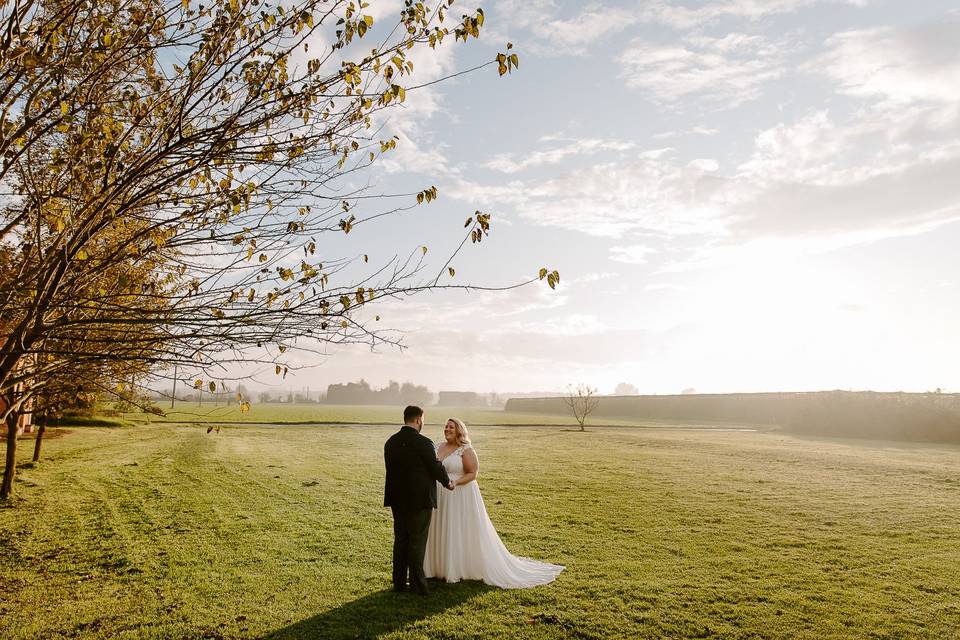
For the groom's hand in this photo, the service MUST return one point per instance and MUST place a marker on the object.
(450, 485)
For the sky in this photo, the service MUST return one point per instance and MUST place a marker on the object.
(739, 195)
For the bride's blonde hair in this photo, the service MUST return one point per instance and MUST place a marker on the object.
(463, 437)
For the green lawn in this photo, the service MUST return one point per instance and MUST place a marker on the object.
(163, 531)
(355, 414)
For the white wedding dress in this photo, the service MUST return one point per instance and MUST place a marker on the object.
(463, 545)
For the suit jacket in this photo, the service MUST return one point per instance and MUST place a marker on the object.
(413, 471)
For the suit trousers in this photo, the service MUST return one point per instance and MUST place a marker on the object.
(410, 528)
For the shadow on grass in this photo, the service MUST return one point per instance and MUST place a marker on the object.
(380, 613)
(84, 421)
(206, 420)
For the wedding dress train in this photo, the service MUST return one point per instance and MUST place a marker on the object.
(463, 544)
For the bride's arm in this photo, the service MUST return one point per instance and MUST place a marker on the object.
(471, 467)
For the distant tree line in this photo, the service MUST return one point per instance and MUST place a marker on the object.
(289, 397)
(393, 394)
(361, 392)
(917, 417)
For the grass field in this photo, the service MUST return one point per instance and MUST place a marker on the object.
(354, 414)
(162, 531)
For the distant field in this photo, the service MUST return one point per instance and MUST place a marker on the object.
(163, 531)
(346, 414)
(912, 417)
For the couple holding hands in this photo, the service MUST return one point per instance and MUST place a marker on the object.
(459, 542)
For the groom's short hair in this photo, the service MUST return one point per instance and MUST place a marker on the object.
(411, 413)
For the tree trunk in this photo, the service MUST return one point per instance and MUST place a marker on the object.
(40, 429)
(173, 396)
(11, 464)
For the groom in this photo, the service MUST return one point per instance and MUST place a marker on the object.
(411, 493)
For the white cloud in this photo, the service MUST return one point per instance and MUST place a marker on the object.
(804, 151)
(695, 131)
(665, 286)
(416, 150)
(809, 186)
(901, 66)
(550, 33)
(555, 35)
(725, 72)
(906, 84)
(507, 163)
(574, 324)
(825, 180)
(632, 254)
(812, 185)
(589, 278)
(454, 312)
(654, 154)
(886, 169)
(707, 165)
(681, 17)
(641, 194)
(920, 196)
(384, 11)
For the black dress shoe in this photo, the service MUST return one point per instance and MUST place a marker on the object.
(403, 589)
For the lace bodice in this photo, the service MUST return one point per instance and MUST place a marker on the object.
(453, 463)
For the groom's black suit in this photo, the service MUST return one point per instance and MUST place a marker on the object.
(411, 492)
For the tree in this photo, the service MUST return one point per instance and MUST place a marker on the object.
(582, 402)
(61, 394)
(130, 399)
(171, 167)
(626, 389)
(416, 394)
(67, 365)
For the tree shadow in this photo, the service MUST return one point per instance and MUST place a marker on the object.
(380, 612)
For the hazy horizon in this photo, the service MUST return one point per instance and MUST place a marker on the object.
(282, 389)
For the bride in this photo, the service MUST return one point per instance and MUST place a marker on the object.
(462, 543)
